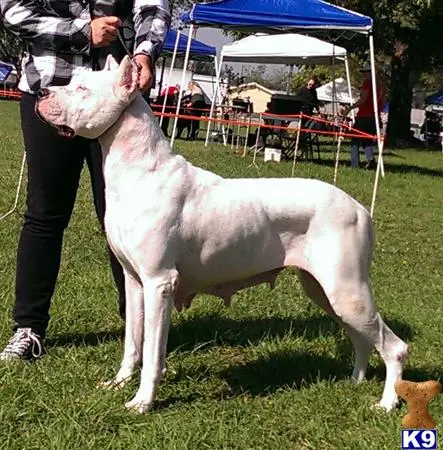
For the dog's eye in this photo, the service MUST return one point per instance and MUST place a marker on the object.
(81, 88)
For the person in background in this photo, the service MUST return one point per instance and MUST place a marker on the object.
(249, 105)
(171, 93)
(365, 119)
(197, 104)
(432, 127)
(307, 95)
(62, 38)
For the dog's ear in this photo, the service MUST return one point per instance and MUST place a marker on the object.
(110, 63)
(127, 78)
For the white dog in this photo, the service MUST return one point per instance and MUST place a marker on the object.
(179, 230)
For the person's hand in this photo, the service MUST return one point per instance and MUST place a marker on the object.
(145, 77)
(104, 30)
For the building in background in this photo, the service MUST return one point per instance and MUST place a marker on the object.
(258, 95)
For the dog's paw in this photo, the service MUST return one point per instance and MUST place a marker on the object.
(113, 384)
(138, 406)
(385, 406)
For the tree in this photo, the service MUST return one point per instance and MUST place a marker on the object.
(408, 35)
(11, 49)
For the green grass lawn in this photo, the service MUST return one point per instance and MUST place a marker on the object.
(270, 372)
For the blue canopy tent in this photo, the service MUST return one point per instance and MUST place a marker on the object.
(5, 70)
(270, 16)
(198, 49)
(175, 44)
(435, 100)
(282, 16)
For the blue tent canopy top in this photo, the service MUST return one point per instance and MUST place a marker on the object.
(276, 15)
(435, 99)
(198, 50)
(5, 70)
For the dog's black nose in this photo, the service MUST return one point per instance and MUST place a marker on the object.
(41, 93)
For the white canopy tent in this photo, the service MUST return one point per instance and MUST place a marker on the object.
(287, 48)
(336, 91)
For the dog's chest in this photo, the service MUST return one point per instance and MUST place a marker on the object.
(120, 238)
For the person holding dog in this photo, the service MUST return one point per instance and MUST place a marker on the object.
(61, 39)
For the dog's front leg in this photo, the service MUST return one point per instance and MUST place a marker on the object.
(158, 300)
(133, 333)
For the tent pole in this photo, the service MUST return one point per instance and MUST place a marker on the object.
(348, 80)
(289, 80)
(214, 96)
(171, 68)
(162, 73)
(180, 94)
(380, 165)
(334, 93)
(220, 99)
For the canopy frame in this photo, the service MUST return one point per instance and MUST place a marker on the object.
(193, 21)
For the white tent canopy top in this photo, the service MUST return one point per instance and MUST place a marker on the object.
(288, 48)
(338, 93)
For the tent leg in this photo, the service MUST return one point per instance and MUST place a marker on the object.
(177, 39)
(256, 147)
(337, 155)
(297, 141)
(180, 95)
(348, 81)
(245, 146)
(214, 96)
(380, 165)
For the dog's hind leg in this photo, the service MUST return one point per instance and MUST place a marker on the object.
(159, 295)
(344, 277)
(362, 347)
(133, 333)
(354, 305)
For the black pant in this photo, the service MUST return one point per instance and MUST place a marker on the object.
(366, 125)
(54, 165)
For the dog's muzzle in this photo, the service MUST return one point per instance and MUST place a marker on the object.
(63, 130)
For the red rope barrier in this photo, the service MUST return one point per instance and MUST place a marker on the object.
(353, 132)
(356, 133)
(14, 95)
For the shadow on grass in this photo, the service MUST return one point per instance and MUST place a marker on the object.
(290, 370)
(284, 369)
(277, 370)
(90, 339)
(389, 167)
(222, 331)
(241, 332)
(296, 370)
(404, 169)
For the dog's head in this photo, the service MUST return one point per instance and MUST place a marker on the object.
(92, 102)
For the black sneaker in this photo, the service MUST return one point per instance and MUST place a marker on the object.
(25, 344)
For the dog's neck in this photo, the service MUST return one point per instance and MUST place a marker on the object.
(136, 136)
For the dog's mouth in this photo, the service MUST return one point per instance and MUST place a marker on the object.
(65, 131)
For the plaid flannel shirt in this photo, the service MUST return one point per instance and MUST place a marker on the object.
(57, 35)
